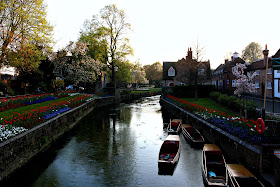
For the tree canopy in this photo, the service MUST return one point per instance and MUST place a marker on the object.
(154, 72)
(23, 25)
(252, 52)
(106, 34)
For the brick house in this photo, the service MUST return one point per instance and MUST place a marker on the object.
(171, 69)
(223, 78)
(259, 67)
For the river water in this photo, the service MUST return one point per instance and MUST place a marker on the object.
(115, 146)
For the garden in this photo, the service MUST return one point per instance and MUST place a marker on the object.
(21, 113)
(246, 129)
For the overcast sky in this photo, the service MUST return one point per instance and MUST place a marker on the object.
(163, 30)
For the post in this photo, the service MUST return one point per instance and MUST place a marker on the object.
(265, 53)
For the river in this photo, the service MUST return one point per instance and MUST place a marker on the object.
(113, 146)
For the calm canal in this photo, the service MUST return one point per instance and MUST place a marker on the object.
(116, 146)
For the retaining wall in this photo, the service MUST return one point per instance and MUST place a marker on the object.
(18, 150)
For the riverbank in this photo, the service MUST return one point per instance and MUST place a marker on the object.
(17, 151)
(259, 159)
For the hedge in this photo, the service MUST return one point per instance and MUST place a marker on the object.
(189, 91)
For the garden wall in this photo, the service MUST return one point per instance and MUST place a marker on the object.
(18, 150)
(257, 159)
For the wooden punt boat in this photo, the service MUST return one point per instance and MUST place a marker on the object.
(174, 126)
(192, 134)
(169, 152)
(239, 176)
(213, 166)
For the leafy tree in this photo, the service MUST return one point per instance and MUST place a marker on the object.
(78, 67)
(110, 28)
(23, 24)
(252, 52)
(138, 74)
(123, 73)
(154, 72)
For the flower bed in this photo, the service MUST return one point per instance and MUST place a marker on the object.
(243, 128)
(24, 120)
(20, 101)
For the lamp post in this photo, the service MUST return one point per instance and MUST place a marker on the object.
(265, 59)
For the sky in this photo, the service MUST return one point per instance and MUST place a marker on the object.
(163, 30)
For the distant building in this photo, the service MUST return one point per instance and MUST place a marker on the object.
(171, 71)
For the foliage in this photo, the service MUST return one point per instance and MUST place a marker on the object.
(78, 67)
(123, 72)
(23, 26)
(189, 91)
(244, 83)
(138, 74)
(110, 29)
(154, 72)
(252, 52)
(234, 103)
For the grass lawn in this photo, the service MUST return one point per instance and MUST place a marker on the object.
(209, 103)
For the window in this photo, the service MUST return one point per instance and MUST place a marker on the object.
(233, 83)
(278, 85)
(257, 84)
(268, 85)
(278, 71)
(269, 71)
(257, 72)
(201, 72)
(171, 72)
(227, 81)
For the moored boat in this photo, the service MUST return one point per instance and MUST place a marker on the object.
(239, 176)
(192, 134)
(170, 151)
(213, 166)
(174, 126)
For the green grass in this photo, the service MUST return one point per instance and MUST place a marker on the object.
(29, 107)
(209, 103)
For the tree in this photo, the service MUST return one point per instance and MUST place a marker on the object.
(244, 83)
(23, 24)
(78, 67)
(138, 74)
(154, 72)
(252, 52)
(112, 25)
(123, 72)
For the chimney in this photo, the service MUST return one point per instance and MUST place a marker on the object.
(226, 61)
(190, 53)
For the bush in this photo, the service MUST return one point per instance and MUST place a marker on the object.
(215, 95)
(189, 91)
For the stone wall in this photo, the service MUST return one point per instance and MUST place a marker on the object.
(18, 150)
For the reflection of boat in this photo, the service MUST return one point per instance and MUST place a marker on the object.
(240, 176)
(213, 166)
(169, 152)
(192, 134)
(174, 126)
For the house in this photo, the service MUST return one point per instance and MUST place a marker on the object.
(272, 86)
(217, 76)
(172, 71)
(228, 79)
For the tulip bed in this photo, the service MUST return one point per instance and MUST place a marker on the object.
(243, 128)
(13, 122)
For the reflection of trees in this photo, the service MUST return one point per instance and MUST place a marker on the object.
(105, 146)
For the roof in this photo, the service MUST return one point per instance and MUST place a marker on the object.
(166, 66)
(172, 138)
(230, 64)
(211, 147)
(238, 170)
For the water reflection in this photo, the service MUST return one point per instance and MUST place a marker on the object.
(116, 146)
